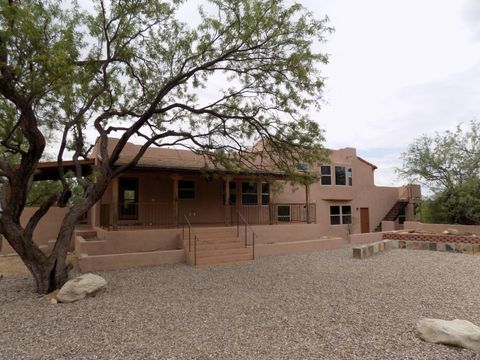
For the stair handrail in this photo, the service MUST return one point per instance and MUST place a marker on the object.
(247, 226)
(186, 221)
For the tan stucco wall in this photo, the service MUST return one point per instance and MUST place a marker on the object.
(362, 194)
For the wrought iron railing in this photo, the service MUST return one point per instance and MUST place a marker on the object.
(241, 220)
(276, 213)
(186, 223)
(163, 215)
(129, 214)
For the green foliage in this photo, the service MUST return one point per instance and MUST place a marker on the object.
(448, 164)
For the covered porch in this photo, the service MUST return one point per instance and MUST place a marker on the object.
(147, 199)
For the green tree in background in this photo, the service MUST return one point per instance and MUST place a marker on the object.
(448, 165)
(133, 69)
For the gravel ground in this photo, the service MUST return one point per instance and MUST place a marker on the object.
(317, 306)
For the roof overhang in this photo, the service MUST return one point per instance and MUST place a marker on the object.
(49, 170)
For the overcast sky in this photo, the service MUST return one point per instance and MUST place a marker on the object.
(398, 69)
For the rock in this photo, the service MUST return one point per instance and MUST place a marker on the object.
(451, 232)
(80, 287)
(455, 332)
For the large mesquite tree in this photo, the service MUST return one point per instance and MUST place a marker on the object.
(248, 72)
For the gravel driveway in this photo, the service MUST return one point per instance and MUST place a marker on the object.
(322, 305)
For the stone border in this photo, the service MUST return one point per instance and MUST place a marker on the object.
(366, 251)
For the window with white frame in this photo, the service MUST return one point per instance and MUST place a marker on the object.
(350, 176)
(340, 214)
(326, 175)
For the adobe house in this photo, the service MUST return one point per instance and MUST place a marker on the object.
(169, 209)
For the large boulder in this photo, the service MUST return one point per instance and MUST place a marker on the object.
(455, 332)
(80, 287)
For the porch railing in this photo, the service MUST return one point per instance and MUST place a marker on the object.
(276, 213)
(164, 215)
(129, 214)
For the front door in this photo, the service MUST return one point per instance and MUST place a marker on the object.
(364, 220)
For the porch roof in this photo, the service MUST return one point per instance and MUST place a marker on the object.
(178, 160)
(48, 170)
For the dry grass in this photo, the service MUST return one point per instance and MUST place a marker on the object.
(11, 266)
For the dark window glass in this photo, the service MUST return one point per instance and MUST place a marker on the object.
(128, 196)
(283, 213)
(326, 175)
(265, 193)
(334, 210)
(350, 177)
(340, 178)
(249, 193)
(186, 189)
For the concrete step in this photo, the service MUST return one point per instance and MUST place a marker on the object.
(226, 245)
(222, 263)
(209, 260)
(202, 253)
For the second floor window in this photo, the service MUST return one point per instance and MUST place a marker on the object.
(326, 175)
(340, 175)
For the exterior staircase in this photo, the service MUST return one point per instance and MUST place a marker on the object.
(394, 212)
(216, 246)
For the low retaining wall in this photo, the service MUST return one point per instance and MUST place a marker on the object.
(366, 251)
(297, 247)
(431, 238)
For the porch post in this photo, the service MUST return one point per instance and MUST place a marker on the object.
(114, 205)
(227, 179)
(271, 214)
(175, 179)
(307, 200)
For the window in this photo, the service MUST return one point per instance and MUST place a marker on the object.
(128, 197)
(249, 193)
(340, 178)
(265, 193)
(340, 214)
(302, 167)
(233, 193)
(350, 177)
(326, 175)
(186, 189)
(283, 213)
